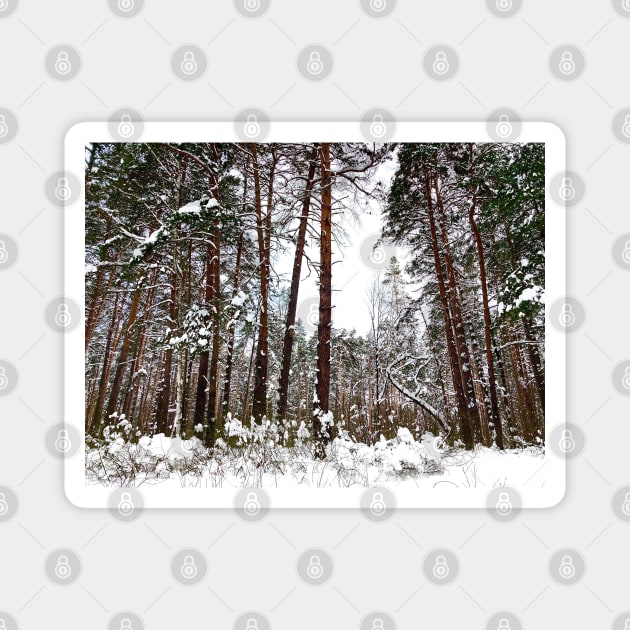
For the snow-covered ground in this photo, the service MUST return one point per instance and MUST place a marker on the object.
(258, 458)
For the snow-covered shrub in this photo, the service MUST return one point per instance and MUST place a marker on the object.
(258, 454)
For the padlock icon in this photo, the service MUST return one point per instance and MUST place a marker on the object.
(63, 443)
(252, 126)
(4, 128)
(377, 504)
(125, 505)
(567, 568)
(626, 625)
(189, 568)
(625, 381)
(62, 316)
(189, 63)
(440, 64)
(252, 5)
(125, 126)
(504, 5)
(626, 7)
(126, 5)
(4, 506)
(378, 128)
(625, 254)
(567, 316)
(63, 570)
(3, 623)
(62, 190)
(504, 624)
(567, 63)
(3, 5)
(567, 442)
(441, 569)
(313, 315)
(504, 126)
(567, 189)
(4, 379)
(125, 624)
(252, 504)
(504, 504)
(378, 255)
(378, 624)
(625, 128)
(315, 570)
(252, 624)
(4, 254)
(625, 506)
(315, 65)
(378, 5)
(63, 65)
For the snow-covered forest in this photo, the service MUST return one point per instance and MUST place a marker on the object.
(202, 359)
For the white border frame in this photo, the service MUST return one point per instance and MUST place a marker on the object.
(154, 496)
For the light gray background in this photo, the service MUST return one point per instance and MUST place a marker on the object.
(378, 63)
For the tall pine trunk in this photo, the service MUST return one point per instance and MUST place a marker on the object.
(215, 316)
(124, 353)
(321, 427)
(449, 331)
(263, 230)
(289, 330)
(494, 399)
(229, 358)
(461, 341)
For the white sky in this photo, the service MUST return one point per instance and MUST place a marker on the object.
(351, 276)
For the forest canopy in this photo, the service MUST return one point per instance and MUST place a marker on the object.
(195, 323)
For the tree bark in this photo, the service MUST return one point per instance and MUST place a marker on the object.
(461, 342)
(494, 399)
(216, 340)
(462, 407)
(289, 330)
(321, 428)
(263, 229)
(229, 359)
(124, 353)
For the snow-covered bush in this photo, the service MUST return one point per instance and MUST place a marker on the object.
(257, 454)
